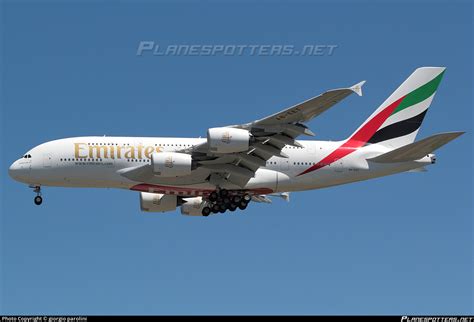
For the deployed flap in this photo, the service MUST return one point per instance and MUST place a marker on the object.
(417, 150)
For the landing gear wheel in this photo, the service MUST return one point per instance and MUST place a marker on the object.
(223, 193)
(213, 196)
(206, 211)
(38, 200)
(222, 208)
(236, 199)
(215, 208)
(232, 207)
(247, 198)
(242, 206)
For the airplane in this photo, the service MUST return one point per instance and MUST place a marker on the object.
(237, 164)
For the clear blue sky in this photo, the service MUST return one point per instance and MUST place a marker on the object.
(395, 245)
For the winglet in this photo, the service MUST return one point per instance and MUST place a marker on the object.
(357, 88)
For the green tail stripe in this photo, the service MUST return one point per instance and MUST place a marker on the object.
(419, 94)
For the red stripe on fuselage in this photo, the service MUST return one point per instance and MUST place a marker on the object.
(358, 139)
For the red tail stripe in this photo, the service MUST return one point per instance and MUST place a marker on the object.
(358, 139)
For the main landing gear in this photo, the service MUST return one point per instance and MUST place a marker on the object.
(38, 199)
(223, 200)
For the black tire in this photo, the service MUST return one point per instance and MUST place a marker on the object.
(232, 207)
(38, 200)
(247, 198)
(206, 211)
(215, 208)
(213, 196)
(226, 201)
(223, 193)
(236, 199)
(222, 208)
(242, 206)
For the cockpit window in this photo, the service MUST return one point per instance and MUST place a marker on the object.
(27, 156)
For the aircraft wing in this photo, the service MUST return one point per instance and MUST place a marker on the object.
(306, 110)
(268, 137)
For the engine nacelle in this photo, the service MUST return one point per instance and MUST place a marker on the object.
(192, 206)
(157, 202)
(227, 140)
(171, 164)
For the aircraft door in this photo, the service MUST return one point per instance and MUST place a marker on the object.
(47, 160)
(284, 164)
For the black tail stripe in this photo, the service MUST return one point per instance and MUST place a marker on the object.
(398, 129)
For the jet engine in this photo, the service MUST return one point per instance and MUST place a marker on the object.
(171, 164)
(227, 140)
(192, 206)
(157, 202)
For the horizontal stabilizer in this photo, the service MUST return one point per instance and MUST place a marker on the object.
(416, 150)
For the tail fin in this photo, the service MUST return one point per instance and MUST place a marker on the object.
(397, 121)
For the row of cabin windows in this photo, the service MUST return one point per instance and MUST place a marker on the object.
(84, 160)
(295, 147)
(304, 163)
(295, 163)
(27, 156)
(100, 160)
(148, 160)
(128, 144)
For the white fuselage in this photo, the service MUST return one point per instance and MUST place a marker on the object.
(98, 162)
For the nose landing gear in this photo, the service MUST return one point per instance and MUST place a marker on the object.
(38, 199)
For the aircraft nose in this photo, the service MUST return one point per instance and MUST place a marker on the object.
(13, 170)
(17, 171)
